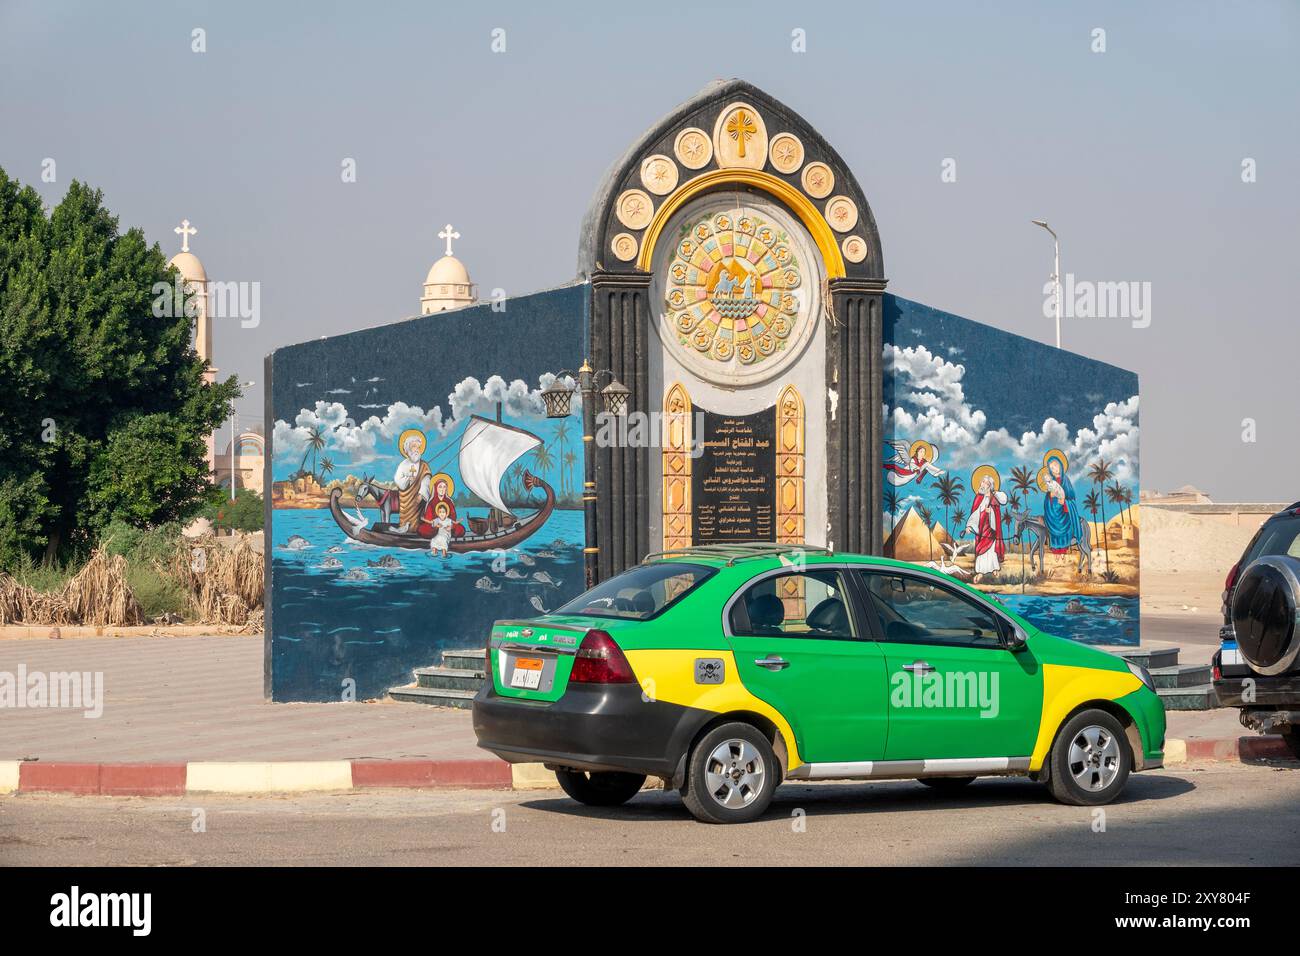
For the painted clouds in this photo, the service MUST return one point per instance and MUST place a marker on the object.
(932, 405)
(377, 436)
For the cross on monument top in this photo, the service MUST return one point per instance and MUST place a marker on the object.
(185, 230)
(449, 234)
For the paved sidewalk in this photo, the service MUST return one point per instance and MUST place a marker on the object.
(200, 698)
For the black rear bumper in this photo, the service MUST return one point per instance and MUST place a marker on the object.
(1282, 691)
(592, 727)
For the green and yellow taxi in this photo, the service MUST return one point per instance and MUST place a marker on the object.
(727, 669)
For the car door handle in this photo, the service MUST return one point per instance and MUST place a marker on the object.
(918, 667)
(773, 663)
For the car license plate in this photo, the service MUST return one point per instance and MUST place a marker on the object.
(528, 673)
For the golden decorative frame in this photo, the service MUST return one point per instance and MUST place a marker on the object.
(677, 529)
(790, 460)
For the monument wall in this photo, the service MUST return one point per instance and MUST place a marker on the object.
(448, 404)
(1053, 437)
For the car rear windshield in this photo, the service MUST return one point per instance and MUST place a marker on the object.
(640, 593)
(1279, 536)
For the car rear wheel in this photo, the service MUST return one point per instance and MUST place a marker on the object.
(946, 784)
(731, 775)
(600, 788)
(1090, 760)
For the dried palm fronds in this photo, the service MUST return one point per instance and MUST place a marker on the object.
(99, 593)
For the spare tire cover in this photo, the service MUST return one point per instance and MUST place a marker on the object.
(1264, 614)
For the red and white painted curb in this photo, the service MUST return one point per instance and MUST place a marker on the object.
(301, 776)
(289, 776)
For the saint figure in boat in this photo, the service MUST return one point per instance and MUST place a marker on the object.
(443, 488)
(412, 477)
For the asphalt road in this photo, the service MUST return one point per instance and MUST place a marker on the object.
(1214, 814)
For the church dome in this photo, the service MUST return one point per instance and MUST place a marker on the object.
(190, 268)
(447, 271)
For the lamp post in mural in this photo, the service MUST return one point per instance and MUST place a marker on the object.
(558, 398)
(1056, 274)
(233, 416)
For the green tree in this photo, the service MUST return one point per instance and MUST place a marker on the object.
(1100, 472)
(243, 514)
(103, 404)
(1093, 503)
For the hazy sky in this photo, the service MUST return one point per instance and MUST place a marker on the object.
(1134, 155)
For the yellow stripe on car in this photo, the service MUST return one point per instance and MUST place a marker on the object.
(1064, 689)
(669, 675)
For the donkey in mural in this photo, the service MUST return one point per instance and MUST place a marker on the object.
(388, 499)
(1033, 526)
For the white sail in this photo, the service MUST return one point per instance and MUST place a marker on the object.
(487, 449)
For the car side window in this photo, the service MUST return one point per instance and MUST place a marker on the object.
(914, 611)
(799, 604)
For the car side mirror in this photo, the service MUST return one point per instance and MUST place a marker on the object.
(1015, 640)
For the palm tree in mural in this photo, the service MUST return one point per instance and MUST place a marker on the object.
(1100, 472)
(570, 460)
(542, 459)
(1128, 504)
(959, 521)
(924, 514)
(564, 455)
(1115, 494)
(315, 442)
(891, 503)
(1092, 502)
(326, 467)
(1022, 480)
(950, 488)
(1013, 502)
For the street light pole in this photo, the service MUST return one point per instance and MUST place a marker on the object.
(591, 547)
(1056, 274)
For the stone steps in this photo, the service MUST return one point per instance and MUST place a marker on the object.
(453, 683)
(1198, 697)
(1180, 686)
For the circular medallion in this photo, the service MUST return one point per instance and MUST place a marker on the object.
(842, 213)
(739, 290)
(786, 153)
(818, 180)
(854, 248)
(693, 148)
(634, 209)
(659, 174)
(740, 138)
(625, 246)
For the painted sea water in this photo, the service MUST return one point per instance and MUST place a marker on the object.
(1088, 620)
(345, 610)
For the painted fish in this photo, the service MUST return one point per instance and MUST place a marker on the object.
(558, 543)
(1075, 606)
(527, 559)
(297, 542)
(548, 553)
(514, 574)
(336, 549)
(1117, 612)
(387, 561)
(331, 564)
(356, 574)
(485, 584)
(536, 602)
(545, 578)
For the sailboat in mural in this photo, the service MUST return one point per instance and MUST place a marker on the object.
(487, 450)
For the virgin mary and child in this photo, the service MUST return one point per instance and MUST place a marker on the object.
(1060, 508)
(420, 492)
(985, 521)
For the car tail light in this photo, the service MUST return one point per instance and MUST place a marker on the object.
(1231, 579)
(1215, 673)
(600, 661)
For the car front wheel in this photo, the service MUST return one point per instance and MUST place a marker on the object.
(731, 775)
(1090, 760)
(600, 789)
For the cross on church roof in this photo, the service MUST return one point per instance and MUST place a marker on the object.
(185, 230)
(449, 234)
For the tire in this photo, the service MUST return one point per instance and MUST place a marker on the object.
(1090, 760)
(946, 784)
(600, 788)
(1264, 606)
(731, 775)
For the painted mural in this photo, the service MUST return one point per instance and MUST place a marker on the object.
(418, 493)
(1013, 466)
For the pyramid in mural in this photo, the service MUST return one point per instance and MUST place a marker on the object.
(911, 540)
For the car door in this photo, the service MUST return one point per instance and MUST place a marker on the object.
(801, 646)
(956, 689)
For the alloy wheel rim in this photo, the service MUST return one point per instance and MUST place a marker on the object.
(734, 774)
(1094, 758)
